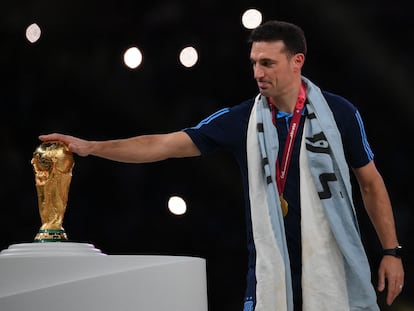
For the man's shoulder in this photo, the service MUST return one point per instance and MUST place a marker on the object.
(338, 103)
(243, 108)
(246, 104)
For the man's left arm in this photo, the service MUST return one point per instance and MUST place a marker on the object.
(378, 205)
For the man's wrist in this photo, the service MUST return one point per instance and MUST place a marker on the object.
(396, 251)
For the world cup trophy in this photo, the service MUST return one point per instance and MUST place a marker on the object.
(52, 164)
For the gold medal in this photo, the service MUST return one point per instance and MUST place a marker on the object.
(284, 205)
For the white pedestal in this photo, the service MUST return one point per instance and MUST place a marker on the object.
(70, 276)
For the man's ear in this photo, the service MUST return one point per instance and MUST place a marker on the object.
(297, 61)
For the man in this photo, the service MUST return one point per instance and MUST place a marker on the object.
(294, 144)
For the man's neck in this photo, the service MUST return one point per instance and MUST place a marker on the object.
(287, 102)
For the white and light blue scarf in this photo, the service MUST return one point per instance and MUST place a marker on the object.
(335, 270)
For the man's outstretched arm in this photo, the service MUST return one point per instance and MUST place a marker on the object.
(138, 149)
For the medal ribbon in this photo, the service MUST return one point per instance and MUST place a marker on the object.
(282, 169)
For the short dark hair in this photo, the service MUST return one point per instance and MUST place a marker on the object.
(292, 35)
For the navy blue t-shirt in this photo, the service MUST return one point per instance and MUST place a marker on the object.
(227, 129)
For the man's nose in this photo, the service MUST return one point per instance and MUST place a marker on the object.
(258, 72)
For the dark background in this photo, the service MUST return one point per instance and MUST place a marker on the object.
(73, 81)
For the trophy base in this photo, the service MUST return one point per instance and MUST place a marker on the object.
(57, 249)
(50, 235)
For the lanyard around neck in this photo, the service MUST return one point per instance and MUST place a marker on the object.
(283, 167)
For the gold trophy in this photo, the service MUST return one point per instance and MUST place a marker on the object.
(52, 163)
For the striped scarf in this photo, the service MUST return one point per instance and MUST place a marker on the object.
(335, 270)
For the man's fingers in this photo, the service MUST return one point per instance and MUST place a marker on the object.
(53, 136)
(393, 292)
(381, 281)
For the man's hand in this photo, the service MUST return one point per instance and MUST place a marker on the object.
(391, 272)
(79, 146)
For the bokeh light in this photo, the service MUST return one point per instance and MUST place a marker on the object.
(177, 205)
(188, 56)
(251, 18)
(132, 57)
(33, 33)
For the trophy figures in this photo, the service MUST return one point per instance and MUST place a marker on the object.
(52, 163)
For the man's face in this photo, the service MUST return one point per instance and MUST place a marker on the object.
(273, 70)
